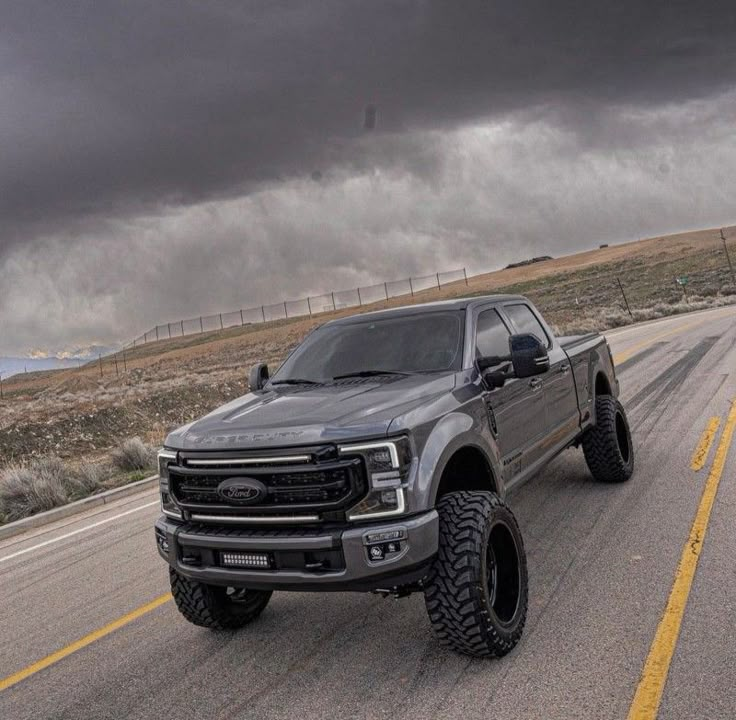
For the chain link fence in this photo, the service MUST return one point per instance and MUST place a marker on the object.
(306, 307)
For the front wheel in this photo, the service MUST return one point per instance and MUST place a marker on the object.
(215, 607)
(608, 450)
(477, 590)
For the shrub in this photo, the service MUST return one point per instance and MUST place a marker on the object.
(134, 454)
(89, 478)
(42, 485)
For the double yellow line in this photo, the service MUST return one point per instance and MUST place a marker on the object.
(654, 676)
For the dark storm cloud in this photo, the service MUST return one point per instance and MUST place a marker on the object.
(166, 159)
(110, 109)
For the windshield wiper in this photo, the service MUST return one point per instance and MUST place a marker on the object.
(370, 373)
(296, 381)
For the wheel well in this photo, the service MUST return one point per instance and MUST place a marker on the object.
(602, 386)
(467, 469)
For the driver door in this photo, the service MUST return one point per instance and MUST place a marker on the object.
(515, 411)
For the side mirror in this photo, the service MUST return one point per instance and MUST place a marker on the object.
(258, 376)
(528, 355)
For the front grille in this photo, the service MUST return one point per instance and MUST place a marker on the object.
(300, 482)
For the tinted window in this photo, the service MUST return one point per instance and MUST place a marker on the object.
(429, 342)
(526, 322)
(492, 336)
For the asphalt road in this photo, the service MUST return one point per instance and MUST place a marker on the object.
(602, 563)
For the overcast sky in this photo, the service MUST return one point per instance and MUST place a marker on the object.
(165, 159)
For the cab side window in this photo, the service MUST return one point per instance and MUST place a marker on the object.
(526, 322)
(492, 335)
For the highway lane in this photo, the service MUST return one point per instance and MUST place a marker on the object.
(602, 563)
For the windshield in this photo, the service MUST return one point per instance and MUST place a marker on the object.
(429, 342)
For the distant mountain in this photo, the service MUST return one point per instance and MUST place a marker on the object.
(13, 365)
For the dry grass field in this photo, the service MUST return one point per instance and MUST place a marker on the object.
(79, 416)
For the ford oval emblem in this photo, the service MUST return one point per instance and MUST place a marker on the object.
(241, 490)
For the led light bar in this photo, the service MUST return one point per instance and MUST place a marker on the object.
(261, 561)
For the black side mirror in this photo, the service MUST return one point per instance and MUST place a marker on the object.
(258, 376)
(528, 355)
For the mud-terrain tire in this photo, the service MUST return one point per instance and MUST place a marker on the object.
(215, 607)
(477, 589)
(607, 446)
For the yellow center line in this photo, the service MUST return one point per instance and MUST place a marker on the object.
(706, 441)
(15, 678)
(645, 705)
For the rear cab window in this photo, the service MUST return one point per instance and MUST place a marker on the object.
(526, 322)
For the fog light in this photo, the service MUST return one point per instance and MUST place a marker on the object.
(241, 559)
(385, 536)
(163, 543)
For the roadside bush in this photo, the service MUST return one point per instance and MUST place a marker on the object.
(90, 478)
(134, 454)
(728, 290)
(42, 485)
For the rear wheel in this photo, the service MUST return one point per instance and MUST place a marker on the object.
(476, 593)
(607, 447)
(215, 607)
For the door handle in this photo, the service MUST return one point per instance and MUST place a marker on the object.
(564, 369)
(535, 383)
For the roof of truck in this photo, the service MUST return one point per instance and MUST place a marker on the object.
(454, 304)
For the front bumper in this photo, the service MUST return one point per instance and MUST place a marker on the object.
(337, 558)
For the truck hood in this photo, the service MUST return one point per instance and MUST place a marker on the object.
(303, 415)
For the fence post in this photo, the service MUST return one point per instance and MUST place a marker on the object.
(263, 312)
(242, 322)
(334, 307)
(100, 358)
(728, 257)
(125, 364)
(1, 386)
(286, 312)
(221, 327)
(438, 281)
(115, 358)
(385, 289)
(156, 333)
(360, 299)
(309, 305)
(411, 287)
(169, 326)
(145, 338)
(182, 328)
(201, 327)
(626, 302)
(465, 275)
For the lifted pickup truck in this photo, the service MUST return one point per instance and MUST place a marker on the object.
(378, 457)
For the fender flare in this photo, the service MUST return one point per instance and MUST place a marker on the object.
(453, 432)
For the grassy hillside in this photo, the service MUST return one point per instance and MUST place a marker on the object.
(79, 414)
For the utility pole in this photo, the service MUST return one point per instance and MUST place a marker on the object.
(728, 257)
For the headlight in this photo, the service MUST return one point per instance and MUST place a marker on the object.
(168, 506)
(387, 463)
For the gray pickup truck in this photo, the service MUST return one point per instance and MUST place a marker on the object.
(377, 458)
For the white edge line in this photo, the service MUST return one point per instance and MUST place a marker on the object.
(76, 532)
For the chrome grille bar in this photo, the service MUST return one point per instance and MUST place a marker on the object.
(249, 461)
